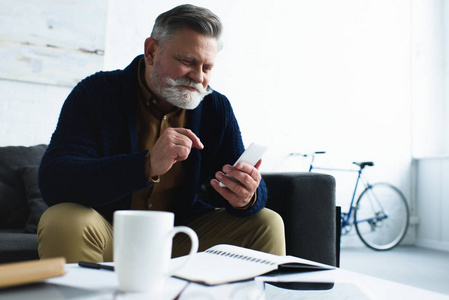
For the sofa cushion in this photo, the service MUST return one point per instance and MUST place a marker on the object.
(36, 204)
(18, 247)
(13, 201)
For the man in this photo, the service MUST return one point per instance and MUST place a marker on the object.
(148, 137)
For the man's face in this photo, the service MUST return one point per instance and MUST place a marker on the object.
(179, 71)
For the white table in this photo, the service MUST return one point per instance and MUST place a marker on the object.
(82, 283)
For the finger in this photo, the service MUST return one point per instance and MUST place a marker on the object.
(192, 136)
(181, 152)
(238, 189)
(242, 183)
(176, 138)
(229, 195)
(244, 169)
(257, 166)
(226, 180)
(182, 140)
(182, 146)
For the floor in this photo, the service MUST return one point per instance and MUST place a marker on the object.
(418, 267)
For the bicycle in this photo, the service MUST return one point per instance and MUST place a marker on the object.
(380, 214)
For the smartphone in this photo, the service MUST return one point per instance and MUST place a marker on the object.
(251, 156)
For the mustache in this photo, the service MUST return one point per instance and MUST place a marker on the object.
(183, 81)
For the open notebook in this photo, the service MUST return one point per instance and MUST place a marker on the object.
(226, 263)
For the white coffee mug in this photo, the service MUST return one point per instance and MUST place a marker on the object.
(143, 246)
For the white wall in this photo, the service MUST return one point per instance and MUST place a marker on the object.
(430, 135)
(430, 73)
(432, 193)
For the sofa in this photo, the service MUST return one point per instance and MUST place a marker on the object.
(20, 202)
(306, 202)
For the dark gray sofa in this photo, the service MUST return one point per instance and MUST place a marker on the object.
(20, 202)
(306, 202)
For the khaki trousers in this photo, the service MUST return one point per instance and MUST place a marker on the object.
(79, 233)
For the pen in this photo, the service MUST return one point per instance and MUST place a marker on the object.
(95, 266)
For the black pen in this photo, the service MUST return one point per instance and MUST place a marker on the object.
(90, 265)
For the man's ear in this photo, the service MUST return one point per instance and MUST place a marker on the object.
(151, 47)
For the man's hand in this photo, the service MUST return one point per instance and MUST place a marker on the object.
(173, 145)
(240, 190)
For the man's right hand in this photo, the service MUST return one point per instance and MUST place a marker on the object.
(173, 145)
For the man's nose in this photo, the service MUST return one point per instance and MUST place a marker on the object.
(197, 75)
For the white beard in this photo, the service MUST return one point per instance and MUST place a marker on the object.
(176, 94)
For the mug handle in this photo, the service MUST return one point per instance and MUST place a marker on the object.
(193, 249)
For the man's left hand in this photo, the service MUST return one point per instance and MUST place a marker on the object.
(240, 189)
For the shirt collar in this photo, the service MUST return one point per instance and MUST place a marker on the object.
(147, 97)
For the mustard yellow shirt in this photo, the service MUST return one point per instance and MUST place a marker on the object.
(150, 125)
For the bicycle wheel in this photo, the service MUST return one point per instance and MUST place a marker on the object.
(381, 216)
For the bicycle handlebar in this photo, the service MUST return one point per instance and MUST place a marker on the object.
(307, 154)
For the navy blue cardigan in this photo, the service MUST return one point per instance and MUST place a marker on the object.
(93, 160)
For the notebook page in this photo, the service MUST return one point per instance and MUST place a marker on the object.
(227, 263)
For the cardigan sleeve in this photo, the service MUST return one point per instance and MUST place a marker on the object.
(233, 141)
(228, 149)
(89, 159)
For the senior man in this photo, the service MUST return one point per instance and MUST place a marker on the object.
(147, 138)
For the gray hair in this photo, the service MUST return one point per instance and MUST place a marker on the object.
(196, 18)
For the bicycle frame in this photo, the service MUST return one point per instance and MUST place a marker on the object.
(346, 216)
(346, 222)
(370, 207)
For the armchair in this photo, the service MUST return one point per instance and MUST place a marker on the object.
(306, 202)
